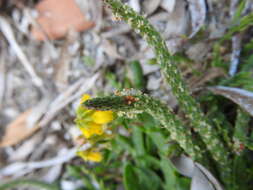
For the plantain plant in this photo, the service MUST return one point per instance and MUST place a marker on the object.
(199, 140)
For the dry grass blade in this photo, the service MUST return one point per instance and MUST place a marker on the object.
(2, 80)
(9, 35)
(21, 168)
(236, 46)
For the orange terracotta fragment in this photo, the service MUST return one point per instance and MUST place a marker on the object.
(57, 17)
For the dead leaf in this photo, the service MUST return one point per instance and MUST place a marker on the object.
(25, 124)
(135, 4)
(239, 96)
(149, 6)
(200, 181)
(184, 165)
(18, 130)
(210, 177)
(198, 11)
(56, 18)
(201, 177)
(177, 23)
(177, 26)
(168, 5)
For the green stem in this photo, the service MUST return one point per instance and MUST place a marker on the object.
(191, 108)
(29, 183)
(139, 103)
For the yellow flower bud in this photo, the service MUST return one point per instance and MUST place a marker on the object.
(89, 155)
(102, 117)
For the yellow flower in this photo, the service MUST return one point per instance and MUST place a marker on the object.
(89, 155)
(84, 98)
(91, 129)
(91, 123)
(102, 117)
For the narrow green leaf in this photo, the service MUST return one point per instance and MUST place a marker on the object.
(137, 75)
(130, 178)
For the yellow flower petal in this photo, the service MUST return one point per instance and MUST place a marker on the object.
(102, 117)
(90, 156)
(92, 129)
(84, 98)
(86, 133)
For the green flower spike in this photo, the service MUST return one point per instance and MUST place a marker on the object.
(191, 108)
(130, 103)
